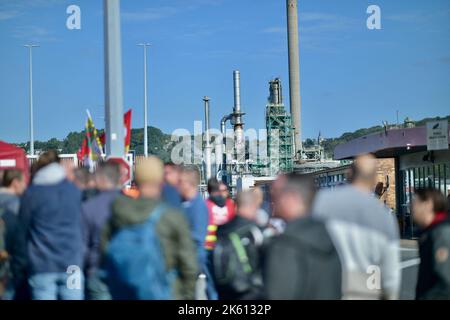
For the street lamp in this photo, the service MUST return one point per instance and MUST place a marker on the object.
(144, 46)
(30, 48)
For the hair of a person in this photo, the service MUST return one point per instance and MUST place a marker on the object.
(10, 175)
(172, 165)
(46, 158)
(303, 185)
(213, 185)
(379, 189)
(110, 170)
(193, 172)
(221, 183)
(82, 175)
(245, 198)
(440, 202)
(150, 170)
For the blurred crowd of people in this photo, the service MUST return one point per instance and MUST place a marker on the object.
(73, 234)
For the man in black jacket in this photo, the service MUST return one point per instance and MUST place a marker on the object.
(237, 255)
(430, 213)
(301, 263)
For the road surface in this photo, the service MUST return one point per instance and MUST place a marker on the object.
(410, 267)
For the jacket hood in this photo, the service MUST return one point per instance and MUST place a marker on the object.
(49, 175)
(311, 232)
(127, 211)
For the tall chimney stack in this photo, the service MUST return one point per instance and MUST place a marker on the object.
(237, 119)
(294, 73)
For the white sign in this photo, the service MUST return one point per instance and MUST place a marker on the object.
(7, 163)
(437, 135)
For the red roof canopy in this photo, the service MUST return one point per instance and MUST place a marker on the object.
(13, 157)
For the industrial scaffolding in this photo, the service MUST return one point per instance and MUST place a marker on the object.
(279, 132)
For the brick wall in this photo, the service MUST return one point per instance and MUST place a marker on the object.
(386, 167)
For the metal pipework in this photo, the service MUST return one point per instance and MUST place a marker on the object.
(207, 138)
(221, 151)
(294, 72)
(223, 122)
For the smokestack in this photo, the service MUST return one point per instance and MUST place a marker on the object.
(208, 142)
(275, 94)
(237, 91)
(294, 72)
(237, 117)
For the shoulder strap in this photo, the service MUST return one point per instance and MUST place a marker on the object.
(240, 250)
(157, 213)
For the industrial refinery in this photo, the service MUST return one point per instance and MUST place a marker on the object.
(284, 151)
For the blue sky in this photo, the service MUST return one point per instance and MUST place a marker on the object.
(351, 77)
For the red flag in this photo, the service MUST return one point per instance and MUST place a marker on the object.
(127, 127)
(83, 151)
(102, 138)
(127, 124)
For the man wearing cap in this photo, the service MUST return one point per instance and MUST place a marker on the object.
(172, 227)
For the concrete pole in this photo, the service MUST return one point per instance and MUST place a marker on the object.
(294, 73)
(30, 50)
(208, 142)
(145, 45)
(115, 144)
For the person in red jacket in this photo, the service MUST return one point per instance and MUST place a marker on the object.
(220, 209)
(231, 205)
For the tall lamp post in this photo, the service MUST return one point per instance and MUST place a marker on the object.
(144, 46)
(30, 50)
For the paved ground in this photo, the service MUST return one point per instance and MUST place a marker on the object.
(410, 266)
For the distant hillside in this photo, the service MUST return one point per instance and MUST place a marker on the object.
(160, 144)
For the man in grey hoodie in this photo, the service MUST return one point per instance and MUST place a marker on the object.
(365, 235)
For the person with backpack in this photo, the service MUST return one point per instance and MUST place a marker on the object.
(302, 262)
(237, 254)
(50, 215)
(148, 252)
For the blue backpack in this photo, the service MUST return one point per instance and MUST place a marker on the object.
(134, 265)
